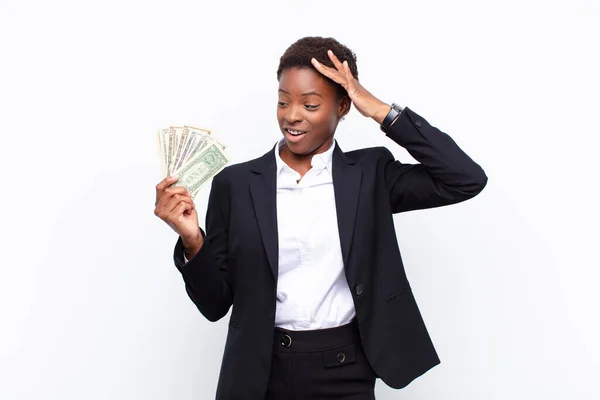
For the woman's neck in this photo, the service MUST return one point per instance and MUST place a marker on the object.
(298, 162)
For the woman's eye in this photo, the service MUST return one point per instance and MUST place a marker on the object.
(310, 107)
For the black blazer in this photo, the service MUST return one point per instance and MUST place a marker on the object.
(238, 263)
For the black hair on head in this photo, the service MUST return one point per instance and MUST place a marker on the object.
(299, 55)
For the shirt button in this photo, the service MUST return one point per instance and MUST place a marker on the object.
(359, 290)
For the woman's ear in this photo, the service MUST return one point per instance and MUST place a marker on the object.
(344, 106)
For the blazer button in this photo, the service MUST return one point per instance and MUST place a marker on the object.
(418, 123)
(359, 290)
(341, 357)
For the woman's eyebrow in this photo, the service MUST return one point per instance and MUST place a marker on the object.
(312, 93)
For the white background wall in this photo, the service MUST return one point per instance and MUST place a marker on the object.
(91, 306)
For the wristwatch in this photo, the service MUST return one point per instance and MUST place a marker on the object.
(387, 121)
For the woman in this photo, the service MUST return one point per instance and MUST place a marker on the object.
(301, 241)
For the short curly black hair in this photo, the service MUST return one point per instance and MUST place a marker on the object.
(299, 55)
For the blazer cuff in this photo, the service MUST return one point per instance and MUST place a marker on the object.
(181, 261)
(408, 121)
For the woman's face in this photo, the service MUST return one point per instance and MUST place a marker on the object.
(308, 110)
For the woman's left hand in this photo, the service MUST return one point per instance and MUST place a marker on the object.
(367, 104)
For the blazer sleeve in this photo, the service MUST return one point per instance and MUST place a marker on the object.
(206, 276)
(445, 175)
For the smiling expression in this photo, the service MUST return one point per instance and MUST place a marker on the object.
(308, 111)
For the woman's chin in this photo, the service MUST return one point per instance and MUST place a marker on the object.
(298, 149)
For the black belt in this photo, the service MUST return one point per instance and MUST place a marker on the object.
(315, 340)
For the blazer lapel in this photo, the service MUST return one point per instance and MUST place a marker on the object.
(346, 185)
(263, 190)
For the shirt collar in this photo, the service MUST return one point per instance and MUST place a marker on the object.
(318, 162)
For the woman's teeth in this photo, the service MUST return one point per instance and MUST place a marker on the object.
(295, 133)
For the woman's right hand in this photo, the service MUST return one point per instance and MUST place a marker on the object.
(175, 206)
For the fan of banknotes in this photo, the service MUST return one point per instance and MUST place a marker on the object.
(190, 153)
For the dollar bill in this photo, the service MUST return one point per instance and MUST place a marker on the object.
(170, 140)
(181, 143)
(190, 152)
(197, 139)
(201, 168)
(174, 135)
(208, 134)
(198, 130)
(187, 152)
(160, 139)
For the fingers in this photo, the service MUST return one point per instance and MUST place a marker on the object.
(176, 190)
(166, 208)
(341, 74)
(349, 78)
(178, 211)
(347, 71)
(175, 200)
(165, 183)
(335, 61)
(169, 191)
(328, 72)
(169, 198)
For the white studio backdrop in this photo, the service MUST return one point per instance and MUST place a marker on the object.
(91, 304)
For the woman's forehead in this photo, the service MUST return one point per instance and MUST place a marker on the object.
(301, 81)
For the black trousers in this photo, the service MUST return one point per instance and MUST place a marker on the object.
(320, 364)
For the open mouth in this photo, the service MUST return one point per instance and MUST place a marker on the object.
(295, 132)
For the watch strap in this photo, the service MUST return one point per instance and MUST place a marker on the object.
(390, 117)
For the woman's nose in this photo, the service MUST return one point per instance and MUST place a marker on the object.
(293, 115)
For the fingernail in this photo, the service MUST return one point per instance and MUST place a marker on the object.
(345, 62)
(315, 60)
(173, 177)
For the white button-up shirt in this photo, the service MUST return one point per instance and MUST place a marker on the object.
(312, 291)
